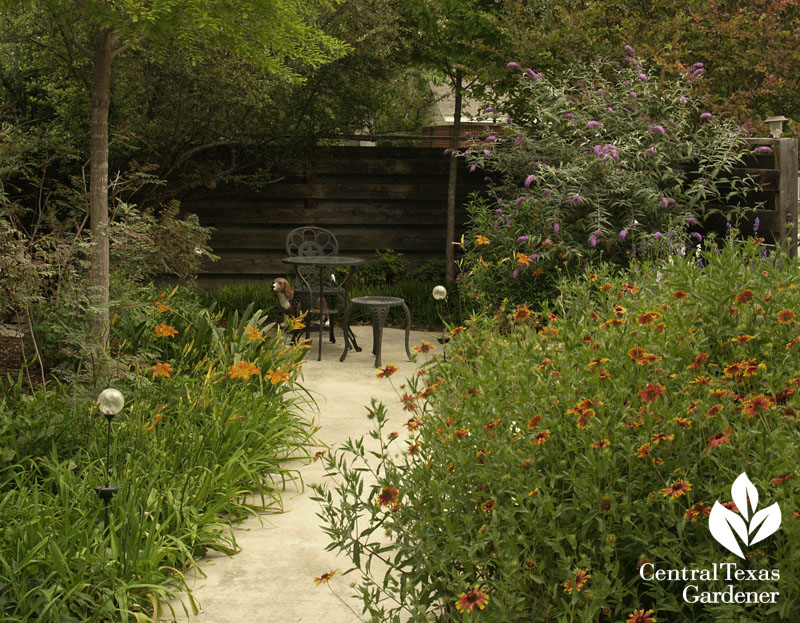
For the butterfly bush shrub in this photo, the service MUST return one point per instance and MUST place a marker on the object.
(547, 462)
(604, 162)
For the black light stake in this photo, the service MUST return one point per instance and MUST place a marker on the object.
(110, 402)
(440, 294)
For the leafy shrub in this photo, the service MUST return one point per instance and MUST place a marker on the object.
(212, 421)
(387, 268)
(601, 161)
(553, 455)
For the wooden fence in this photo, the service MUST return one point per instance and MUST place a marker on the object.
(369, 197)
(395, 198)
(777, 174)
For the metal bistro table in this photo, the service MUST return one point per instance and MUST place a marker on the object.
(323, 264)
(378, 307)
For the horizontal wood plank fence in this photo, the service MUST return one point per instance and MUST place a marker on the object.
(371, 198)
(376, 198)
(776, 172)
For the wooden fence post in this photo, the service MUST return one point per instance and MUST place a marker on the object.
(788, 193)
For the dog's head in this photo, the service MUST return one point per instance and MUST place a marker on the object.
(283, 290)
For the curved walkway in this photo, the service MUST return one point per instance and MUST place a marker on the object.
(272, 579)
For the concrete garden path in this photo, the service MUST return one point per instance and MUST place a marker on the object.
(272, 579)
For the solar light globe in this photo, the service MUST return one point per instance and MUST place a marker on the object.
(110, 402)
(439, 293)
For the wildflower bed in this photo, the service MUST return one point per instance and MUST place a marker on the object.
(555, 456)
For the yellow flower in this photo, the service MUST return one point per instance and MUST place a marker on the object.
(325, 577)
(298, 322)
(253, 334)
(243, 370)
(162, 369)
(277, 376)
(164, 330)
(481, 239)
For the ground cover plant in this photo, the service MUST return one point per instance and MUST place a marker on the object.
(211, 428)
(597, 163)
(555, 454)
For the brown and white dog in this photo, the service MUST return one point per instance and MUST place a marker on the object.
(285, 295)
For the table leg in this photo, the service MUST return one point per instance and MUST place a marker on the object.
(321, 289)
(378, 320)
(408, 328)
(346, 330)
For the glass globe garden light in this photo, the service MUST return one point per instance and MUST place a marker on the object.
(110, 402)
(440, 294)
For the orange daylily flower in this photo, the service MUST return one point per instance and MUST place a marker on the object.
(243, 370)
(164, 330)
(161, 369)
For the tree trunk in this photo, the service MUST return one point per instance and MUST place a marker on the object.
(100, 97)
(450, 234)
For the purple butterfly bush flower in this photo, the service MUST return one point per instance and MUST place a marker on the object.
(657, 129)
(515, 274)
(499, 211)
(623, 234)
(705, 115)
(546, 192)
(556, 228)
(756, 225)
(633, 94)
(684, 99)
(629, 50)
(529, 180)
(547, 242)
(697, 236)
(593, 124)
(520, 200)
(643, 77)
(698, 72)
(522, 238)
(533, 257)
(691, 220)
(569, 115)
(664, 202)
(532, 74)
(609, 109)
(472, 168)
(576, 198)
(490, 139)
(696, 66)
(650, 151)
(592, 241)
(486, 152)
(657, 235)
(518, 140)
(447, 151)
(764, 149)
(514, 65)
(489, 109)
